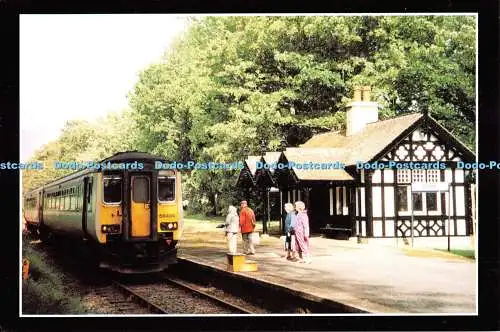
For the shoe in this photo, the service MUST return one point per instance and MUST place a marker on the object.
(289, 258)
(251, 253)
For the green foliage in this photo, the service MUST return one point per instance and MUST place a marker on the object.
(44, 292)
(232, 86)
(82, 141)
(230, 82)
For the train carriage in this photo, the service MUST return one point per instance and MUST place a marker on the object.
(131, 215)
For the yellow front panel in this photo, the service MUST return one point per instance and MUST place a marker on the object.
(169, 213)
(140, 206)
(140, 219)
(109, 215)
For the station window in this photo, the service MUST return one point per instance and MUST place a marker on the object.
(72, 201)
(166, 189)
(417, 202)
(402, 196)
(77, 198)
(112, 188)
(431, 199)
(403, 175)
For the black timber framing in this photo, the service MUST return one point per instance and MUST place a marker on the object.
(424, 122)
(396, 201)
(368, 203)
(286, 180)
(454, 202)
(468, 203)
(383, 200)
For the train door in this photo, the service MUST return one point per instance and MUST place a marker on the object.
(140, 205)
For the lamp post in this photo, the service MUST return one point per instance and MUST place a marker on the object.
(245, 192)
(283, 144)
(265, 191)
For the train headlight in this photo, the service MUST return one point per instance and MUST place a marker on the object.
(164, 226)
(110, 228)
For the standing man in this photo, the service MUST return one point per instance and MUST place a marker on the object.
(247, 225)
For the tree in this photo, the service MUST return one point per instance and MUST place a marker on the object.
(230, 82)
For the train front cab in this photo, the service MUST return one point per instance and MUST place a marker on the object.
(140, 220)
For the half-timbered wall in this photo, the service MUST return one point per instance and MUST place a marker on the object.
(392, 202)
(360, 207)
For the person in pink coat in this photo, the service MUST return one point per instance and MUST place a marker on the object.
(302, 232)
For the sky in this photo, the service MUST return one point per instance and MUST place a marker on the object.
(83, 67)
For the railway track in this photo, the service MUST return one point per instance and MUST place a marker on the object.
(117, 298)
(170, 295)
(199, 290)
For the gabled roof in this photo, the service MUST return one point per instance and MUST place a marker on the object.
(248, 171)
(272, 157)
(317, 155)
(251, 162)
(365, 145)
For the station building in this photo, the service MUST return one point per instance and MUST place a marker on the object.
(372, 203)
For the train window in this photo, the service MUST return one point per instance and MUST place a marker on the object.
(77, 198)
(166, 189)
(72, 202)
(89, 196)
(112, 188)
(141, 190)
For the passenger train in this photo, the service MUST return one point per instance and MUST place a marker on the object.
(131, 219)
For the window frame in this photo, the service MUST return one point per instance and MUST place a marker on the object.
(158, 188)
(148, 190)
(121, 189)
(425, 211)
(408, 197)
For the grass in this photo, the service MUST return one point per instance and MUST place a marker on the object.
(202, 223)
(197, 218)
(201, 230)
(441, 253)
(467, 253)
(44, 292)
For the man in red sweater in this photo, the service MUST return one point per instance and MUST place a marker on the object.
(247, 225)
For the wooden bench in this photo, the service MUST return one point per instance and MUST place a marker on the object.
(337, 232)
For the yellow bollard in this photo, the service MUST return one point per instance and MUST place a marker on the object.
(238, 263)
(26, 268)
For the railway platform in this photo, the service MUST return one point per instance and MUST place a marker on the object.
(371, 278)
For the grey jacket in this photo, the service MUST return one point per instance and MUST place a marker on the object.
(232, 221)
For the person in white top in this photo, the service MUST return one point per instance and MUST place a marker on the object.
(232, 228)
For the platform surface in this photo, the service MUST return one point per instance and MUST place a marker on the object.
(373, 278)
